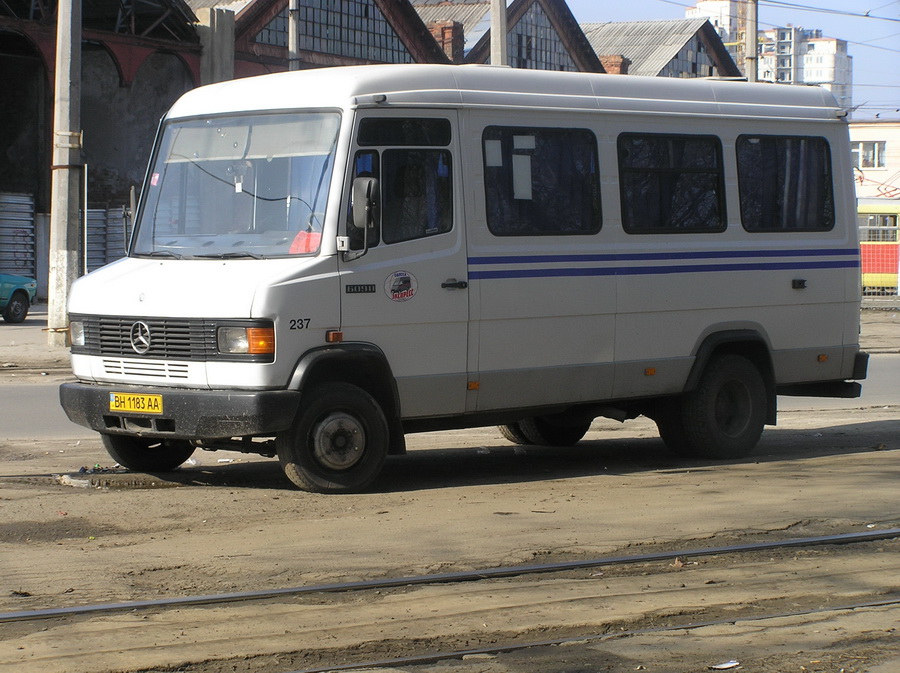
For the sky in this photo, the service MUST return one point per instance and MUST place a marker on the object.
(874, 43)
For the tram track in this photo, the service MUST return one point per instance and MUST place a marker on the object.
(423, 620)
(444, 578)
(436, 657)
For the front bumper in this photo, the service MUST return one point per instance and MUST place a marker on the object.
(188, 414)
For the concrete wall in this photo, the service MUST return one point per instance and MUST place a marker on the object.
(120, 122)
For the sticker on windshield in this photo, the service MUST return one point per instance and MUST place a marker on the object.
(401, 286)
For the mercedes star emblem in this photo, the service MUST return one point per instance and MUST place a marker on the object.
(140, 337)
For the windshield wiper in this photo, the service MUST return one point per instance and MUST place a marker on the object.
(230, 255)
(160, 253)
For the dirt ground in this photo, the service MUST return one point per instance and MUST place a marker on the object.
(464, 500)
(461, 501)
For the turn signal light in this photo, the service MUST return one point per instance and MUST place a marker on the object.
(260, 340)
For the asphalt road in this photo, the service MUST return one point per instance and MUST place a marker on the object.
(32, 411)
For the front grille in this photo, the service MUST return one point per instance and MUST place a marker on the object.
(184, 339)
(170, 339)
(146, 368)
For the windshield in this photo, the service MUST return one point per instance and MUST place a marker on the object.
(250, 186)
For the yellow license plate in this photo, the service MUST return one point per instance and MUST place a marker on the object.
(130, 402)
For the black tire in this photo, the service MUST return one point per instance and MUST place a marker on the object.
(339, 442)
(544, 432)
(724, 417)
(147, 455)
(513, 432)
(17, 308)
(670, 424)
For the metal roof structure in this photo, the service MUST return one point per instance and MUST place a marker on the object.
(157, 19)
(234, 5)
(475, 16)
(651, 45)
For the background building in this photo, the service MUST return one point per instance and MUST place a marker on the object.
(729, 18)
(541, 34)
(674, 48)
(793, 55)
(876, 166)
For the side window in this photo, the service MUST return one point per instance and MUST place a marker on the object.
(403, 132)
(671, 184)
(415, 183)
(416, 194)
(541, 181)
(785, 183)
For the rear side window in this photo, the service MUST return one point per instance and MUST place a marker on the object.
(785, 183)
(541, 181)
(671, 184)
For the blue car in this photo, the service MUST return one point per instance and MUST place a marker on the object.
(16, 295)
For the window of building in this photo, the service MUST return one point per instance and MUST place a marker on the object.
(357, 30)
(534, 44)
(785, 183)
(878, 228)
(868, 154)
(692, 61)
(671, 184)
(541, 181)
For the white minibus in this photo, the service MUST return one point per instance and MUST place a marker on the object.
(324, 261)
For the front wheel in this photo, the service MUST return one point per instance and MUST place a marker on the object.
(147, 455)
(725, 415)
(17, 308)
(339, 442)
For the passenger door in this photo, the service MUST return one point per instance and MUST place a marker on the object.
(408, 293)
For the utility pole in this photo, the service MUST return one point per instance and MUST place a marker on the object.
(293, 35)
(498, 32)
(65, 189)
(751, 48)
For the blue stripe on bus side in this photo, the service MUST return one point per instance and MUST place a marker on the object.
(656, 256)
(656, 270)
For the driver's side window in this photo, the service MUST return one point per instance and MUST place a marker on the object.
(414, 176)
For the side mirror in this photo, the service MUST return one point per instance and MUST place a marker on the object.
(364, 201)
(363, 207)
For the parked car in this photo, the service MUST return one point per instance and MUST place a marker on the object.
(16, 295)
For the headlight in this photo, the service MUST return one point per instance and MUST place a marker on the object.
(249, 340)
(76, 333)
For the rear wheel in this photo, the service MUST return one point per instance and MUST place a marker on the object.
(544, 431)
(670, 423)
(513, 432)
(725, 415)
(339, 442)
(147, 455)
(17, 308)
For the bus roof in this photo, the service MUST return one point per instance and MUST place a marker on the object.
(489, 86)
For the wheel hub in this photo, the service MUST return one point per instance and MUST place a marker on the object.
(732, 409)
(339, 441)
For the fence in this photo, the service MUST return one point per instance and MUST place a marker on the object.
(106, 234)
(18, 254)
